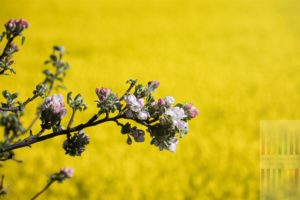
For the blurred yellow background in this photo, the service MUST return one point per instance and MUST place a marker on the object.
(236, 60)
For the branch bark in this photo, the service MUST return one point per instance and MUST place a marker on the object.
(35, 138)
(4, 52)
(19, 107)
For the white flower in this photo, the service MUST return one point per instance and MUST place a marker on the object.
(55, 102)
(133, 103)
(175, 113)
(143, 115)
(172, 145)
(182, 126)
(130, 99)
(169, 100)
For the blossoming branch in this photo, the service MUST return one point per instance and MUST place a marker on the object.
(164, 120)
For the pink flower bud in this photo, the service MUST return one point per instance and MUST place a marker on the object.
(161, 102)
(102, 93)
(11, 23)
(23, 23)
(15, 27)
(191, 110)
(153, 104)
(153, 85)
(55, 105)
(58, 105)
(67, 172)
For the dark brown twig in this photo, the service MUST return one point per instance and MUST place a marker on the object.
(19, 107)
(9, 41)
(43, 190)
(36, 138)
(72, 118)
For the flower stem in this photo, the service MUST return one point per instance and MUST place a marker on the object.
(72, 118)
(43, 190)
(9, 41)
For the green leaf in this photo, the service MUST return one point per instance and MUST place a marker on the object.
(61, 86)
(14, 95)
(23, 40)
(47, 62)
(69, 98)
(126, 129)
(60, 49)
(131, 81)
(53, 57)
(47, 72)
(6, 94)
(12, 70)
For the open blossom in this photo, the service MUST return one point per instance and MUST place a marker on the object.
(143, 115)
(67, 172)
(103, 93)
(136, 106)
(175, 113)
(133, 103)
(55, 104)
(173, 144)
(191, 110)
(52, 110)
(162, 143)
(181, 125)
(176, 116)
(169, 100)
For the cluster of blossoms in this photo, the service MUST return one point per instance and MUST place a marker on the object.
(136, 108)
(172, 121)
(136, 102)
(52, 110)
(15, 27)
(108, 101)
(63, 174)
(75, 145)
(164, 120)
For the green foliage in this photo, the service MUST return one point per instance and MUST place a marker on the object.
(78, 102)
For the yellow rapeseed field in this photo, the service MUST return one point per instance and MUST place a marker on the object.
(236, 60)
